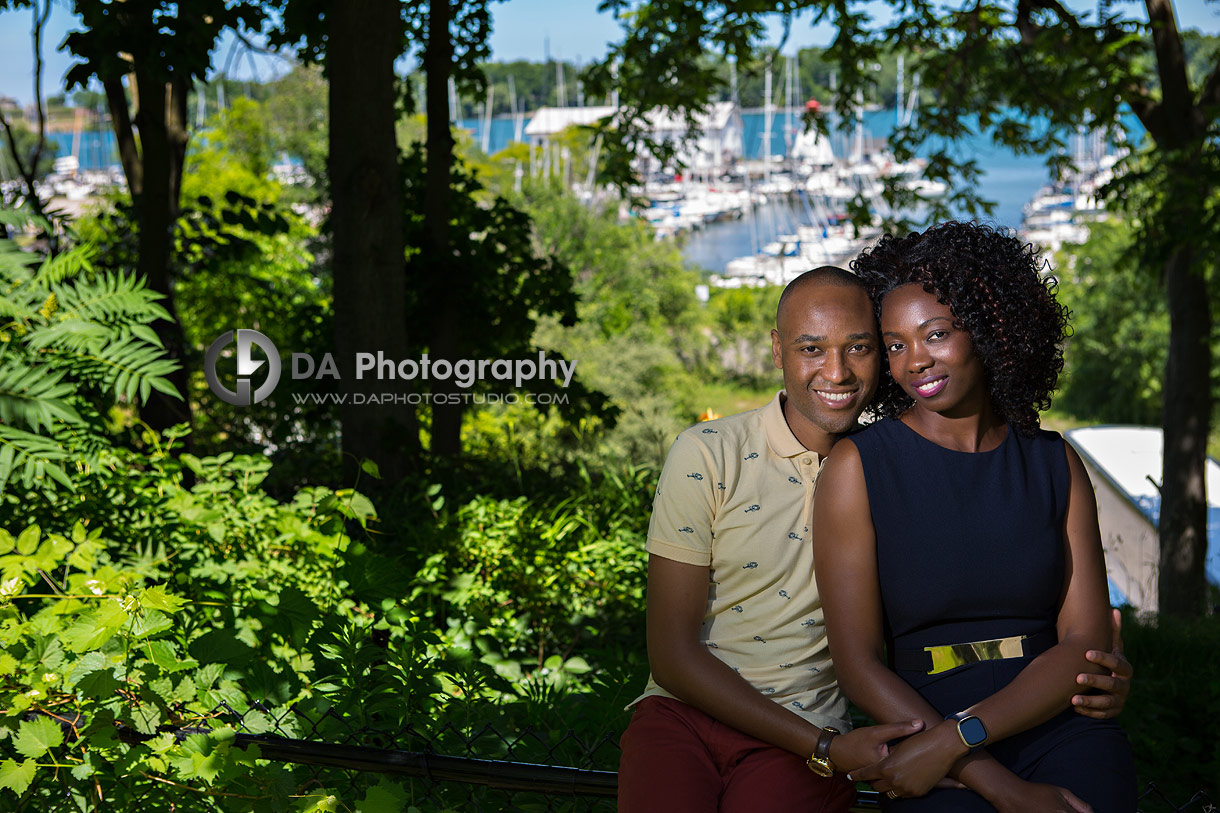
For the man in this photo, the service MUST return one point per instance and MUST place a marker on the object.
(742, 701)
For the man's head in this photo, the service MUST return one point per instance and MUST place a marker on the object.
(825, 341)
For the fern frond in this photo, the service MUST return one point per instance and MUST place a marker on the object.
(129, 367)
(66, 265)
(75, 334)
(109, 297)
(11, 308)
(35, 457)
(35, 396)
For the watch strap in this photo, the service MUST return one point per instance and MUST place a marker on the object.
(822, 749)
(820, 762)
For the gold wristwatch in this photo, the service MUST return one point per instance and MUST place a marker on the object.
(820, 762)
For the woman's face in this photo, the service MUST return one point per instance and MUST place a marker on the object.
(933, 361)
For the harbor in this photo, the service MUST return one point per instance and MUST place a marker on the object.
(761, 199)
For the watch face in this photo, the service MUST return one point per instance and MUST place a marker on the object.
(973, 731)
(821, 767)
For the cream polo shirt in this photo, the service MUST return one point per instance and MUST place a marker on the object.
(736, 495)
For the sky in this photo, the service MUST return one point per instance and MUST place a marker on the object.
(524, 29)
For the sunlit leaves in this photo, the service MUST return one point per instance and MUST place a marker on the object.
(17, 776)
(36, 737)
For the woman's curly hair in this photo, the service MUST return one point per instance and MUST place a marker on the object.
(994, 285)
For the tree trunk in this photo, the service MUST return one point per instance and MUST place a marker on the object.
(367, 229)
(1182, 584)
(447, 277)
(120, 115)
(163, 148)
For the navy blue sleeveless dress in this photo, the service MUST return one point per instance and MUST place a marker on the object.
(970, 548)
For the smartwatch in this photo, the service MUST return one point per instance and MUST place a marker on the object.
(970, 729)
(820, 762)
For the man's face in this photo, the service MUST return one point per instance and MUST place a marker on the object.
(826, 343)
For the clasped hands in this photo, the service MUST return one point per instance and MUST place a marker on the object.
(922, 761)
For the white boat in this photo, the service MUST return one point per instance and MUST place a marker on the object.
(1125, 463)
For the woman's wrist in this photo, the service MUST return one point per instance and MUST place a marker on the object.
(999, 787)
(949, 741)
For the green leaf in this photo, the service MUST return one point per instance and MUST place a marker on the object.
(157, 599)
(384, 797)
(150, 624)
(16, 776)
(98, 683)
(370, 468)
(321, 802)
(95, 628)
(165, 655)
(28, 540)
(38, 736)
(6, 542)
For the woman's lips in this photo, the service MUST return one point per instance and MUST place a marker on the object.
(927, 387)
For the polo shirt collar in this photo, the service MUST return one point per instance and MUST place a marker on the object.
(779, 434)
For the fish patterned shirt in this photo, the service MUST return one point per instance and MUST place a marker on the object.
(736, 495)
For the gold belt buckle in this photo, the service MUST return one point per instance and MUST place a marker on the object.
(951, 656)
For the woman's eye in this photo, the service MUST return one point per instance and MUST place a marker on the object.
(894, 348)
(938, 334)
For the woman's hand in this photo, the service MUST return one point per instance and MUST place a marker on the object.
(865, 746)
(916, 764)
(1023, 796)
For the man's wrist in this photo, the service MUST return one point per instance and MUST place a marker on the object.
(821, 762)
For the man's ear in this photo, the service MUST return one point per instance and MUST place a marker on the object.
(777, 356)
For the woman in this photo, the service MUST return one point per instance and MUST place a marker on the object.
(957, 549)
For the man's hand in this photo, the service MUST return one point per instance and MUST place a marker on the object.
(915, 765)
(864, 746)
(1116, 685)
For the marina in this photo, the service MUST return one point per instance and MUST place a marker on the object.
(765, 199)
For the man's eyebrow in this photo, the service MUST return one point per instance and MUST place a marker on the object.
(854, 337)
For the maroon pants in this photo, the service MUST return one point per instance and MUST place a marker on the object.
(676, 759)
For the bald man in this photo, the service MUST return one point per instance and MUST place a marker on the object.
(742, 710)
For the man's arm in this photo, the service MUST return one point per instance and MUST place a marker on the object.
(683, 666)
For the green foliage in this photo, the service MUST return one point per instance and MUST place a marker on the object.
(71, 342)
(743, 319)
(163, 39)
(1161, 717)
(532, 578)
(519, 284)
(1115, 358)
(164, 598)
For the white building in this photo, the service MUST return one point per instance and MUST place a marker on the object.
(717, 143)
(548, 122)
